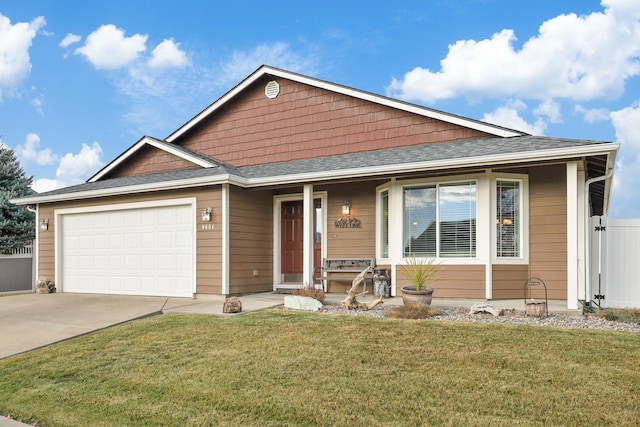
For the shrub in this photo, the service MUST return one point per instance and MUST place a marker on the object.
(625, 315)
(413, 312)
(310, 291)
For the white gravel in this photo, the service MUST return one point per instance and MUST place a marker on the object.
(559, 320)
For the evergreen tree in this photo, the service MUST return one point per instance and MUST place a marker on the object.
(17, 223)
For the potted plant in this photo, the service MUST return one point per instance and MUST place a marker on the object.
(419, 271)
(45, 286)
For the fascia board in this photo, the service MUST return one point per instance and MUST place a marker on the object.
(367, 96)
(161, 145)
(122, 157)
(611, 164)
(132, 189)
(186, 156)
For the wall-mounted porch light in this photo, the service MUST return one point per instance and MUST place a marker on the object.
(346, 207)
(206, 214)
(44, 224)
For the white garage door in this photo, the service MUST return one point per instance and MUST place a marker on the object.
(142, 251)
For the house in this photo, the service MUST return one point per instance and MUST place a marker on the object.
(248, 196)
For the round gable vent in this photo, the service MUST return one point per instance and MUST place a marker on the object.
(272, 89)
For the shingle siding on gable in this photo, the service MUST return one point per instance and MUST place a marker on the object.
(150, 160)
(304, 122)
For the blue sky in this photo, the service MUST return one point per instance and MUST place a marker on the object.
(82, 81)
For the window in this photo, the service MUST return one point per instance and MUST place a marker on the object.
(508, 221)
(384, 226)
(440, 220)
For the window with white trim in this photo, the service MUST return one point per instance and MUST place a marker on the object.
(508, 218)
(384, 224)
(440, 220)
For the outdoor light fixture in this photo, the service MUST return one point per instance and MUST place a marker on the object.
(206, 214)
(346, 207)
(44, 224)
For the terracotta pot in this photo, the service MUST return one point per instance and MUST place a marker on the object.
(411, 297)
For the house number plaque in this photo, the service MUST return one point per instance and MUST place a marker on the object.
(348, 223)
(208, 227)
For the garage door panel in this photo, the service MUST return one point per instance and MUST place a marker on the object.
(137, 251)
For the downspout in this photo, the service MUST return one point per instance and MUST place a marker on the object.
(587, 234)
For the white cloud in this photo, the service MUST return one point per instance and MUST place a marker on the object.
(73, 169)
(77, 167)
(70, 39)
(108, 48)
(42, 185)
(168, 55)
(15, 41)
(549, 109)
(573, 57)
(243, 63)
(37, 103)
(592, 115)
(627, 176)
(509, 116)
(30, 152)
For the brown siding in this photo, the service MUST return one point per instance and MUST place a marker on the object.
(351, 242)
(208, 243)
(250, 241)
(508, 281)
(453, 281)
(548, 228)
(46, 254)
(306, 122)
(150, 160)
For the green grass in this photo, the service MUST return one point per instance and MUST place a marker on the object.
(275, 368)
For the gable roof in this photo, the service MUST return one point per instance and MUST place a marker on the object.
(178, 150)
(175, 149)
(266, 70)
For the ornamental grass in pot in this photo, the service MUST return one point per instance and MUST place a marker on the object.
(419, 271)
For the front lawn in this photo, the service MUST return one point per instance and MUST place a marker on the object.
(287, 368)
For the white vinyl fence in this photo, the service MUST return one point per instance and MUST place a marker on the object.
(17, 270)
(619, 282)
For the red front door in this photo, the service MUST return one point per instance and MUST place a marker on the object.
(292, 239)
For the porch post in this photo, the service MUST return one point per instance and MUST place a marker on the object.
(484, 230)
(225, 240)
(572, 236)
(307, 250)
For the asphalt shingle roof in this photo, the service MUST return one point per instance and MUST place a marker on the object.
(421, 153)
(444, 151)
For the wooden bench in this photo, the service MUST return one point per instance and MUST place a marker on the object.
(341, 270)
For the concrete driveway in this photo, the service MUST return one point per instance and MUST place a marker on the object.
(31, 321)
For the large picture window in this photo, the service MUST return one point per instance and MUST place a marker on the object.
(440, 220)
(508, 221)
